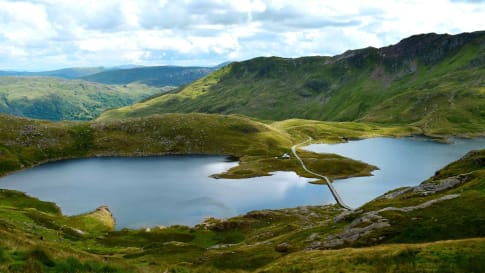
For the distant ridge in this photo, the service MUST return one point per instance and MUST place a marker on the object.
(125, 74)
(66, 73)
(151, 75)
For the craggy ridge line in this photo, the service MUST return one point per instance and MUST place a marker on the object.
(334, 192)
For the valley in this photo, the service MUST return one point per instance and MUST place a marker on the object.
(426, 91)
(84, 93)
(59, 99)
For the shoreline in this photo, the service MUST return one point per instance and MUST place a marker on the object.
(128, 156)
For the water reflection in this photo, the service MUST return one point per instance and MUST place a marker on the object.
(401, 162)
(161, 190)
(178, 190)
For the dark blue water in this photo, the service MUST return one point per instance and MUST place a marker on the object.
(401, 162)
(178, 190)
(161, 190)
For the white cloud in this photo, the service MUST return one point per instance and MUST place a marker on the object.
(48, 34)
(23, 23)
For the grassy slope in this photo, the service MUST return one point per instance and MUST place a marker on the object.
(444, 256)
(430, 81)
(153, 76)
(339, 131)
(24, 142)
(461, 217)
(58, 99)
(36, 238)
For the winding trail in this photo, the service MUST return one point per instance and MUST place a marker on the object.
(329, 183)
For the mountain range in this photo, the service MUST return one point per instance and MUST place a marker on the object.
(431, 81)
(152, 75)
(125, 74)
(65, 73)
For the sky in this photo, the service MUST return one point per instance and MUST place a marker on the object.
(51, 34)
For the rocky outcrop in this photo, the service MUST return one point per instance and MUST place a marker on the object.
(422, 205)
(357, 229)
(104, 216)
(433, 187)
(283, 247)
(396, 193)
(430, 187)
(367, 223)
(430, 48)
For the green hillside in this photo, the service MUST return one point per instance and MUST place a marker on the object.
(59, 99)
(432, 227)
(152, 75)
(434, 82)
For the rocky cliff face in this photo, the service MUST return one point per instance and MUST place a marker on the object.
(430, 48)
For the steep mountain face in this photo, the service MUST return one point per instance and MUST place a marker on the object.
(154, 76)
(59, 99)
(431, 81)
(430, 48)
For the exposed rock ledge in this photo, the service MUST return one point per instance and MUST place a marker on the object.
(367, 223)
(431, 187)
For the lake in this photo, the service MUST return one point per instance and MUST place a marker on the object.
(401, 162)
(143, 192)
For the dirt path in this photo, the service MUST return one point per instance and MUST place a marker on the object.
(329, 183)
